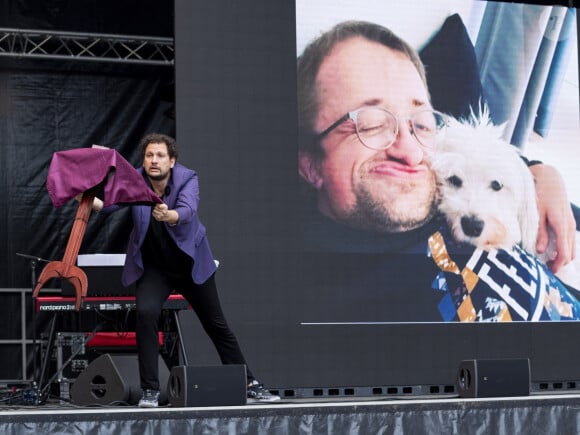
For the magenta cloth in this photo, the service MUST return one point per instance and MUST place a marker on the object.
(75, 171)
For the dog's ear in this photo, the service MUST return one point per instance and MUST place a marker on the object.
(528, 216)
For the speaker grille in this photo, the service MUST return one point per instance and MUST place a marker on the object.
(112, 380)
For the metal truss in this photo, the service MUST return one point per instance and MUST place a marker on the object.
(86, 46)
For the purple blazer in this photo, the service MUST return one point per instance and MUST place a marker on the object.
(188, 234)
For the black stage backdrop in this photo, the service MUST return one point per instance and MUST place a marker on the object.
(48, 106)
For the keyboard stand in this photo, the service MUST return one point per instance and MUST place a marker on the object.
(45, 359)
(179, 337)
(59, 305)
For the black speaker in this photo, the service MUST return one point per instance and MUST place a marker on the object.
(223, 385)
(493, 377)
(113, 379)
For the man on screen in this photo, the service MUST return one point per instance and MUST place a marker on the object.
(380, 195)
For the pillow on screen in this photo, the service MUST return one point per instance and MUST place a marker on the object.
(452, 70)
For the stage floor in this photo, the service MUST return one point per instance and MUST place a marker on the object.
(535, 414)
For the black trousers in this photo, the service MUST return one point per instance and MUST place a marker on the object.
(152, 290)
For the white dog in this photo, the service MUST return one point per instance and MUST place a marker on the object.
(487, 192)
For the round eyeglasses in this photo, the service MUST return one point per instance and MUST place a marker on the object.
(377, 128)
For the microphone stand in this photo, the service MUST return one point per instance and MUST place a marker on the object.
(34, 260)
(43, 391)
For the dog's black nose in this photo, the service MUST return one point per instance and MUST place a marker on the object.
(472, 226)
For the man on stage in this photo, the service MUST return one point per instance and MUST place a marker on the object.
(168, 251)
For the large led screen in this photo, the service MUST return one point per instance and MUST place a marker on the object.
(374, 128)
(329, 280)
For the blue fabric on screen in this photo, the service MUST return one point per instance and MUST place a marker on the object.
(510, 40)
(556, 75)
(538, 78)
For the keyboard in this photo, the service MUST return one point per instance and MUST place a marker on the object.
(103, 303)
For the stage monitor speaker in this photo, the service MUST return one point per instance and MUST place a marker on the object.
(223, 385)
(493, 377)
(113, 379)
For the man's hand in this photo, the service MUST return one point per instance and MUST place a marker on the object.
(555, 214)
(162, 213)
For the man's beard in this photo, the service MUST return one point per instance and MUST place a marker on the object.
(402, 207)
(158, 177)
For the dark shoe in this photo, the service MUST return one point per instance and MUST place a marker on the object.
(150, 399)
(257, 393)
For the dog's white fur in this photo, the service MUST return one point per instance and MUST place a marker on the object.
(486, 190)
(483, 183)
